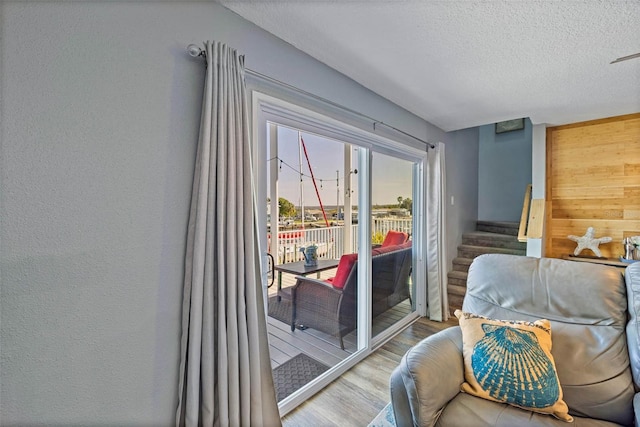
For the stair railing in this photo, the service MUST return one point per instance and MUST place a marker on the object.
(531, 218)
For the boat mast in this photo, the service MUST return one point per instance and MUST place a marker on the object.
(313, 179)
(301, 181)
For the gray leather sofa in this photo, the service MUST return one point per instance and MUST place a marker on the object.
(594, 312)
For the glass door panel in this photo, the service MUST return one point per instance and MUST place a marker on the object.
(392, 238)
(329, 194)
(311, 220)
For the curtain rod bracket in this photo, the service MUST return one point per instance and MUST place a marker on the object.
(196, 51)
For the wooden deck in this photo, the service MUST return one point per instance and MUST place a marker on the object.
(325, 348)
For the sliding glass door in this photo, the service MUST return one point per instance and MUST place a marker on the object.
(338, 212)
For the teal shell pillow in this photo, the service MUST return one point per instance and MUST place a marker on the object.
(510, 362)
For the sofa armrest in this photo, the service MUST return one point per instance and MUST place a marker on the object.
(632, 279)
(314, 301)
(636, 410)
(428, 377)
(319, 287)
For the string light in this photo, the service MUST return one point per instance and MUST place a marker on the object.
(300, 173)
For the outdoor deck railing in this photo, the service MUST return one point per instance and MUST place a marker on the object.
(330, 240)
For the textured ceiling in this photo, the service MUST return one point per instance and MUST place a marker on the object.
(459, 64)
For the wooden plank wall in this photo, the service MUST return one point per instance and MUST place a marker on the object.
(593, 180)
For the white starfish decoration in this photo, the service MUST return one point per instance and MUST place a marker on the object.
(589, 242)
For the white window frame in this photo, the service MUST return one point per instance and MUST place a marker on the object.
(267, 108)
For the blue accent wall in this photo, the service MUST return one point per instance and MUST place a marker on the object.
(504, 170)
(462, 171)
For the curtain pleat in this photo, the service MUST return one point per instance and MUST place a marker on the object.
(436, 227)
(225, 371)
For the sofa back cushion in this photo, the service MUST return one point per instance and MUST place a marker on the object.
(384, 250)
(406, 244)
(345, 265)
(391, 248)
(587, 307)
(394, 238)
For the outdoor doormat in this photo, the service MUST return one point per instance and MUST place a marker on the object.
(280, 310)
(296, 373)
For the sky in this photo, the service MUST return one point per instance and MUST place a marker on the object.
(391, 177)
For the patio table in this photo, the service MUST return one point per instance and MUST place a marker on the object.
(299, 269)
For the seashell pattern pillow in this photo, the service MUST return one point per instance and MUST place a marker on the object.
(510, 362)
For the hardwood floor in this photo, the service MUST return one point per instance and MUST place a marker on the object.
(358, 395)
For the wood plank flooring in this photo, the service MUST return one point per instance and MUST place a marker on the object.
(359, 394)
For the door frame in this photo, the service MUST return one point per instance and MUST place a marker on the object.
(267, 108)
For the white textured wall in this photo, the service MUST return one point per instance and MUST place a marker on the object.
(100, 110)
(504, 171)
(99, 127)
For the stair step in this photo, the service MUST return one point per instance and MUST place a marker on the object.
(491, 237)
(501, 227)
(455, 303)
(467, 251)
(458, 278)
(461, 264)
(496, 240)
(457, 290)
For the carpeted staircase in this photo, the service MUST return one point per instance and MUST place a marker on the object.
(489, 238)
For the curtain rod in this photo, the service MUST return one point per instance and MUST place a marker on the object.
(196, 51)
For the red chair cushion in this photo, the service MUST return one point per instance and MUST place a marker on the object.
(347, 261)
(394, 238)
(344, 268)
(385, 249)
(406, 244)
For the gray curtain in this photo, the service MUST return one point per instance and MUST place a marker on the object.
(436, 231)
(225, 370)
